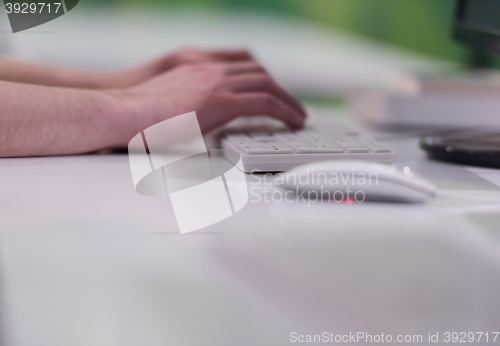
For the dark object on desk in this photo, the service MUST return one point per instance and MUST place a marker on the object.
(477, 24)
(469, 147)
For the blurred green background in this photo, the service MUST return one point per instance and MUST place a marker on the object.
(419, 25)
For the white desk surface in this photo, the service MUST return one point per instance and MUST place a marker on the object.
(85, 260)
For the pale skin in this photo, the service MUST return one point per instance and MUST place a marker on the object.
(50, 111)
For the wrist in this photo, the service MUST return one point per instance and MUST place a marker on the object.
(121, 116)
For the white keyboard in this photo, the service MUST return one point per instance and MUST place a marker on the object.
(276, 151)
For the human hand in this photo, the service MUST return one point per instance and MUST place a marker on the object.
(134, 76)
(218, 92)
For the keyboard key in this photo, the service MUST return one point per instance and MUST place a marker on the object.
(281, 146)
(329, 146)
(264, 139)
(271, 142)
(297, 142)
(321, 143)
(320, 151)
(303, 146)
(268, 151)
(252, 146)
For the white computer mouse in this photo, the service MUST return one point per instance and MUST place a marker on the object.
(359, 181)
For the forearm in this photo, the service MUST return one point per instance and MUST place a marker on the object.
(23, 72)
(43, 121)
